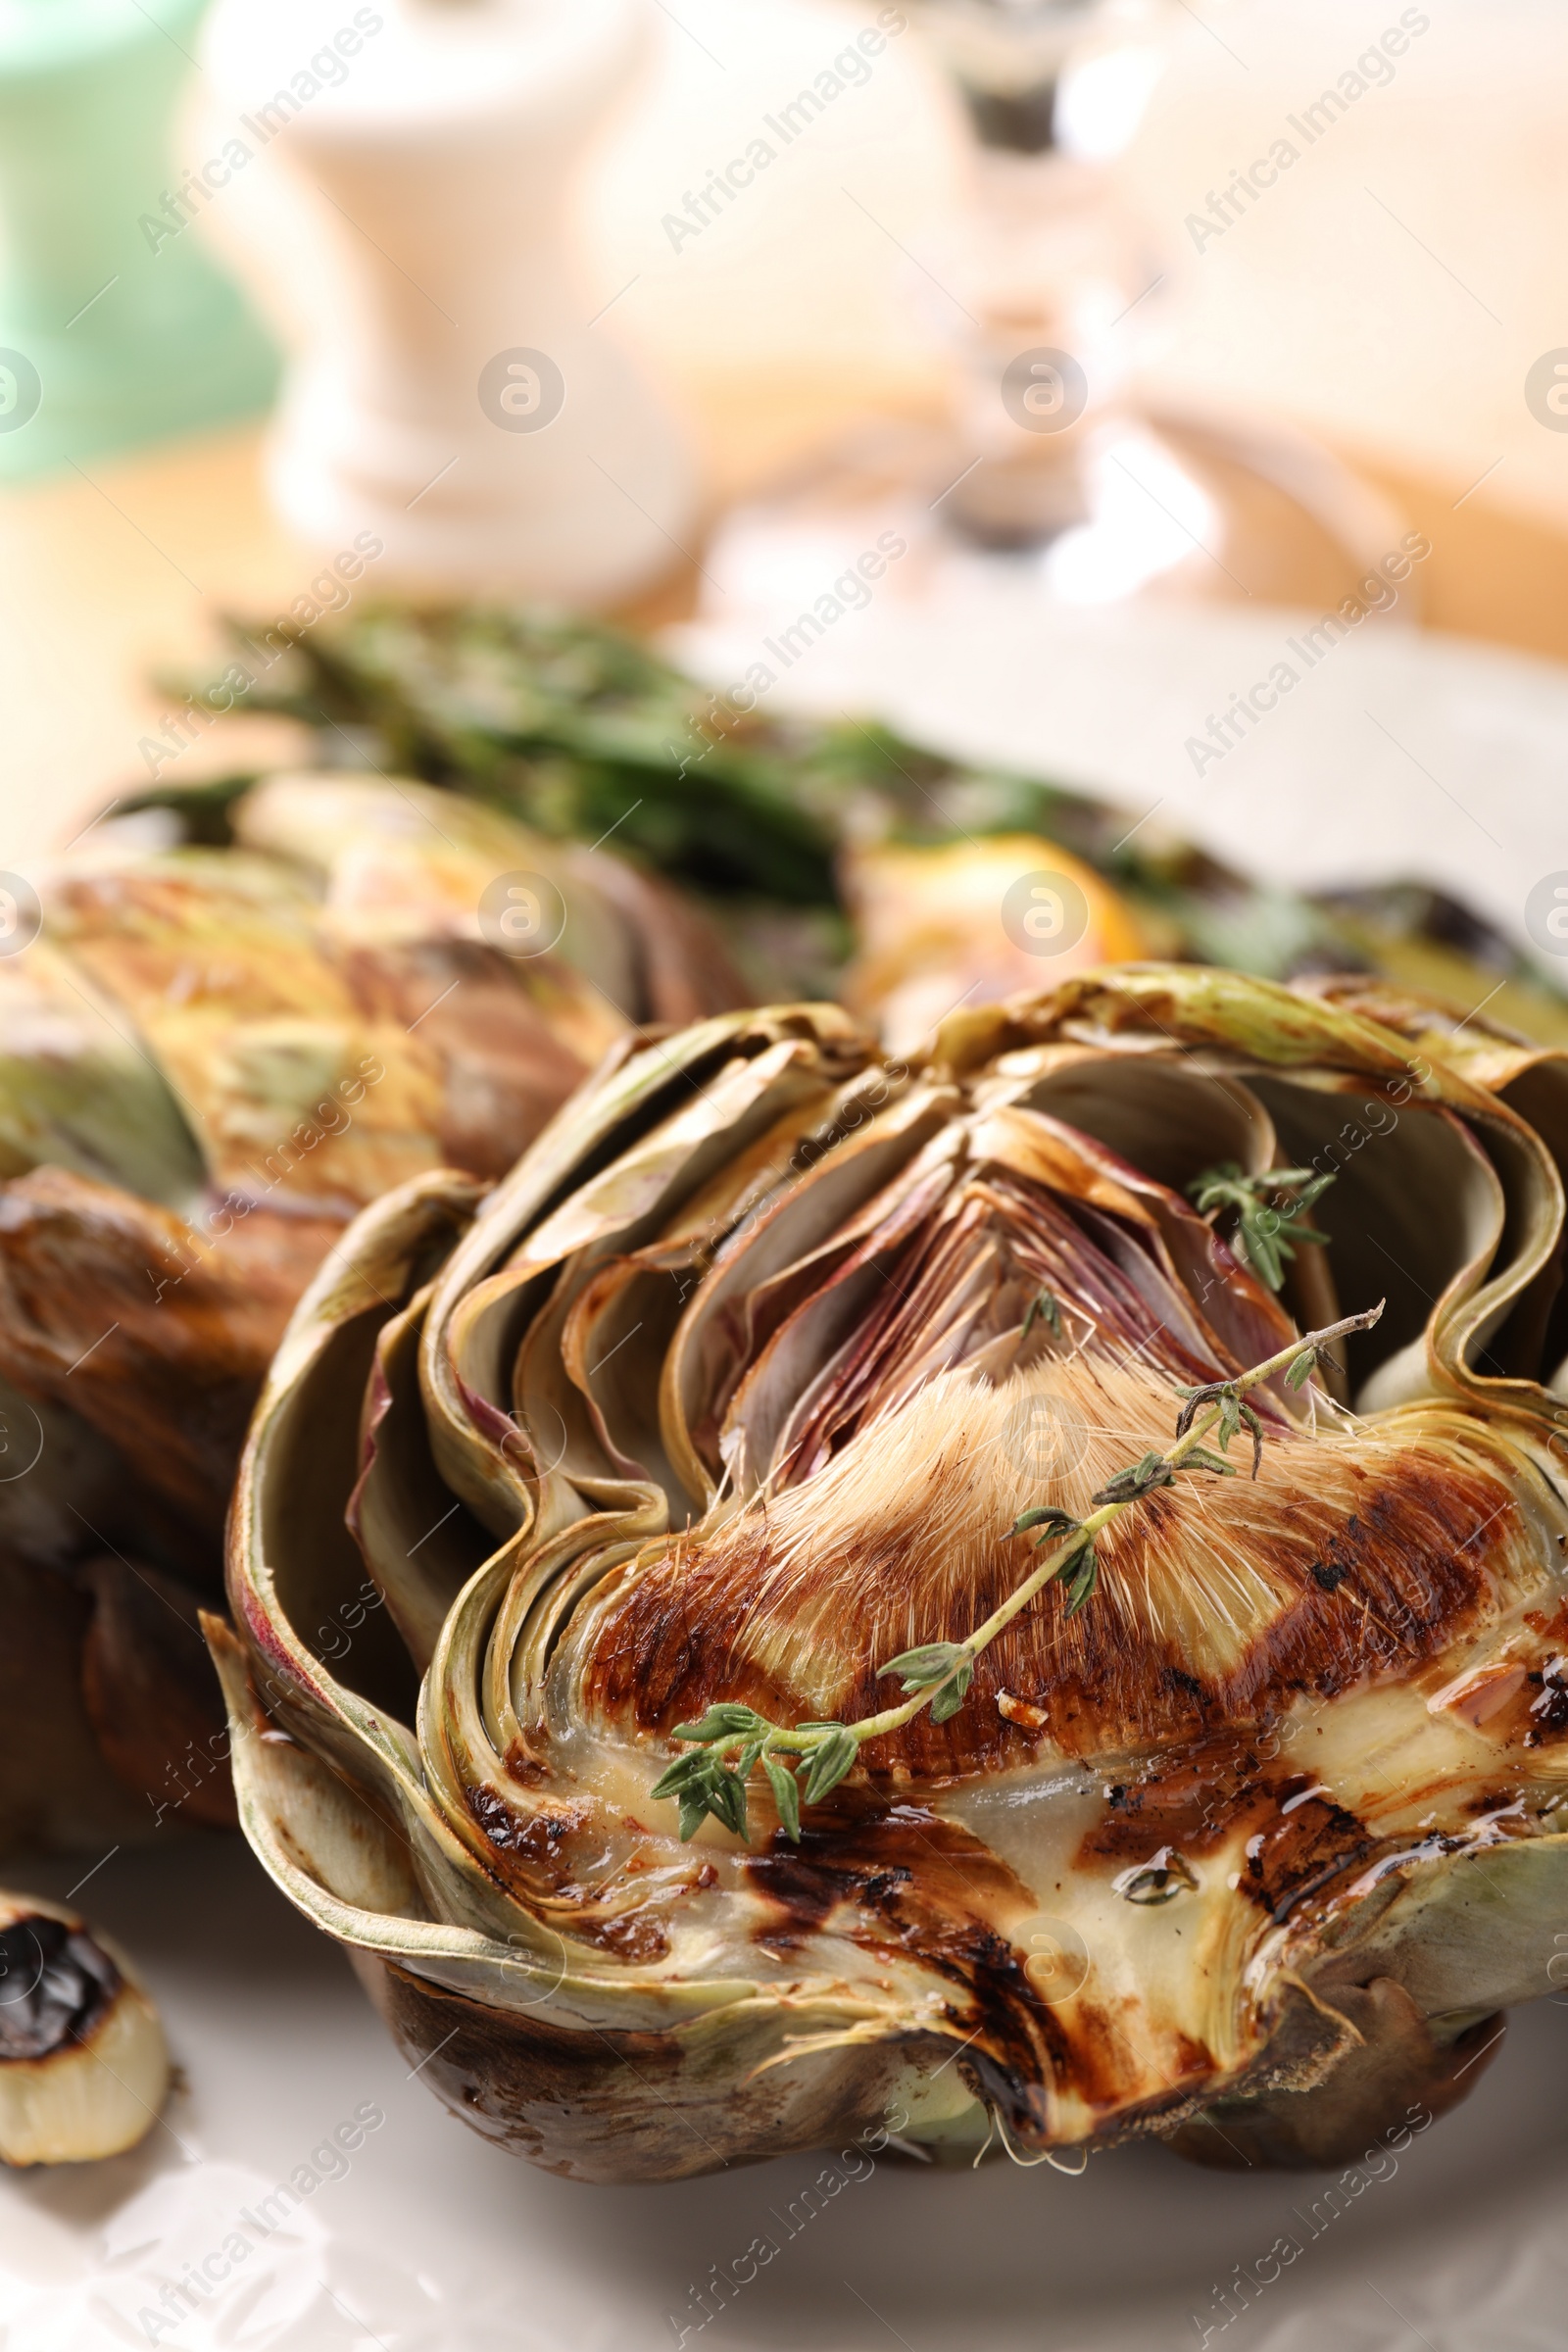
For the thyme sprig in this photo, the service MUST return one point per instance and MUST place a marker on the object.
(804, 1761)
(1271, 1210)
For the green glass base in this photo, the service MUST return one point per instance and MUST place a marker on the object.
(133, 383)
(113, 329)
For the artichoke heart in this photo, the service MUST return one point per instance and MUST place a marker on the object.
(1161, 1379)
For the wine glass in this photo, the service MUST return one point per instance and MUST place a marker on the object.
(1060, 472)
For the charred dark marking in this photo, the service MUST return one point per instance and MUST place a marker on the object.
(1550, 1713)
(1206, 1799)
(55, 1986)
(537, 1840)
(914, 1887)
(635, 1936)
(910, 1885)
(1491, 1800)
(1193, 1800)
(1548, 1704)
(542, 1858)
(1177, 1679)
(1405, 1589)
(1301, 1850)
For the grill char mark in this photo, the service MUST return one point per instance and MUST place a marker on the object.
(913, 1885)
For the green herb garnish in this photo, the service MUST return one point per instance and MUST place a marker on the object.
(1270, 1209)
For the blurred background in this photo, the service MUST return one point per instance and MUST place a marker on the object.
(1387, 294)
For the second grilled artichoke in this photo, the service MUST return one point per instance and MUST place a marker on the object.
(214, 1055)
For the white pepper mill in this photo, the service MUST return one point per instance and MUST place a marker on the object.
(452, 393)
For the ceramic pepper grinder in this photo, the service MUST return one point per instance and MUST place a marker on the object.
(455, 394)
(114, 326)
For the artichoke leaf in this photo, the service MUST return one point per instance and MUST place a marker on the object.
(642, 1187)
(636, 1197)
(419, 1546)
(1258, 1028)
(215, 958)
(329, 1832)
(1471, 1040)
(57, 1787)
(753, 1441)
(314, 1604)
(613, 1343)
(1141, 1008)
(1479, 1932)
(308, 1424)
(823, 1374)
(327, 1851)
(1426, 1187)
(80, 1091)
(810, 1225)
(1036, 1146)
(398, 861)
(1482, 1248)
(142, 1326)
(1163, 1132)
(650, 1125)
(1159, 1133)
(245, 1043)
(501, 1057)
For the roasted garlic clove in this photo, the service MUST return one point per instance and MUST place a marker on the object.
(83, 2064)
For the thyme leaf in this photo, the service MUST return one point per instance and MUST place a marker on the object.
(723, 1720)
(786, 1796)
(1257, 1428)
(920, 1667)
(1046, 1305)
(680, 1775)
(1130, 1485)
(950, 1698)
(1049, 1522)
(829, 1763)
(1270, 1212)
(1084, 1576)
(1201, 1458)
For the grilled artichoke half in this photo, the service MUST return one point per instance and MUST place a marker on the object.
(738, 1384)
